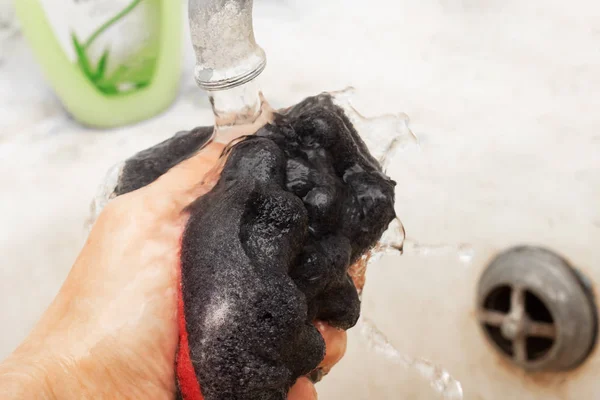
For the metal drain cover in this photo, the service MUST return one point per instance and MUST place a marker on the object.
(537, 310)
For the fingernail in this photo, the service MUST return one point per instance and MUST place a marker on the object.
(316, 375)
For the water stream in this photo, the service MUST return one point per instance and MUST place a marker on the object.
(239, 111)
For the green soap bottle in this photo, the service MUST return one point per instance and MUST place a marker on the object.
(111, 62)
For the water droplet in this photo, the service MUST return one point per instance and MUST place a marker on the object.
(391, 242)
(104, 194)
(464, 252)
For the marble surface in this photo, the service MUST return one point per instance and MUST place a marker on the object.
(504, 97)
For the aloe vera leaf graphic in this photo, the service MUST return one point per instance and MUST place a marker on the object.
(101, 68)
(97, 75)
(82, 58)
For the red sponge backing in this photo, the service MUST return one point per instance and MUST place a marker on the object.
(186, 376)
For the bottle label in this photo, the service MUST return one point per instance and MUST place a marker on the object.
(113, 42)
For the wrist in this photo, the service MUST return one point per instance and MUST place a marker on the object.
(50, 372)
(22, 377)
(44, 369)
(35, 374)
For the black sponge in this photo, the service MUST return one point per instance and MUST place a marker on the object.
(148, 165)
(267, 251)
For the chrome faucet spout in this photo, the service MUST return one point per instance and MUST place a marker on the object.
(223, 38)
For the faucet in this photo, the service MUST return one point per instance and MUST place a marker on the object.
(223, 38)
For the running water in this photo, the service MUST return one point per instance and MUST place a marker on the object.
(242, 110)
(239, 111)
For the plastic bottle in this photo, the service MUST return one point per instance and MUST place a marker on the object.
(111, 62)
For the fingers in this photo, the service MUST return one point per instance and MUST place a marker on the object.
(335, 345)
(358, 271)
(303, 389)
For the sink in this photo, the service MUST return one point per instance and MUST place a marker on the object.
(503, 97)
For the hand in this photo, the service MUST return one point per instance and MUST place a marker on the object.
(111, 331)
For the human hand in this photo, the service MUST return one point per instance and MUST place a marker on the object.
(112, 329)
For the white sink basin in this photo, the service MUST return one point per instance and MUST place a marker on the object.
(504, 97)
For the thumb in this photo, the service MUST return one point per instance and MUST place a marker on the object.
(192, 178)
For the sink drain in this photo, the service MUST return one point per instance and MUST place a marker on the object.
(537, 310)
